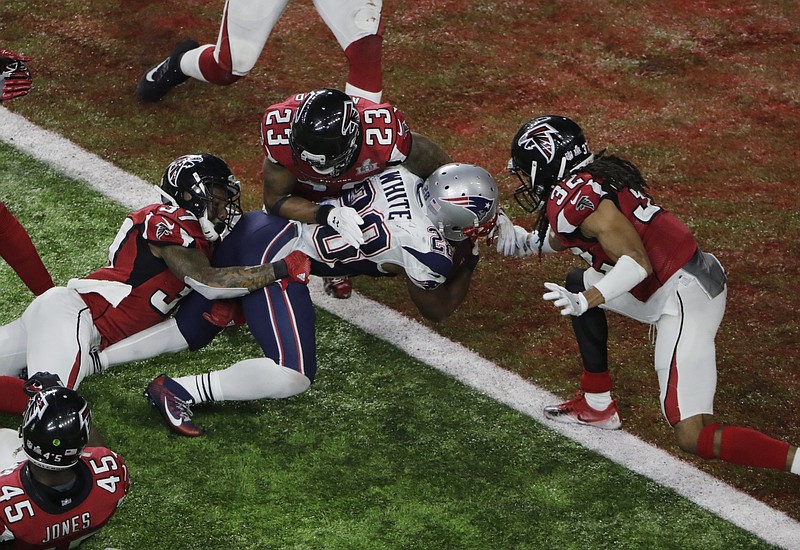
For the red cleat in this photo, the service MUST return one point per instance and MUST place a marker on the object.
(173, 402)
(578, 411)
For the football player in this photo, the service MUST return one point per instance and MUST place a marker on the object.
(63, 491)
(422, 230)
(159, 255)
(246, 26)
(323, 143)
(644, 263)
(16, 246)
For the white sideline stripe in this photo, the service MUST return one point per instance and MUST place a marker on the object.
(453, 359)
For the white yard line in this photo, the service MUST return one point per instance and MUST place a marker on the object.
(453, 359)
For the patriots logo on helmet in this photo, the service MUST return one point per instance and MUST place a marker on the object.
(478, 204)
(542, 137)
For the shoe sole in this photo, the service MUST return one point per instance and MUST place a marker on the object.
(568, 419)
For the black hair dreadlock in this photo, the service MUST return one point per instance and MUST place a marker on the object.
(612, 172)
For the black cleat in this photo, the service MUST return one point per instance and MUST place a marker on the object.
(159, 80)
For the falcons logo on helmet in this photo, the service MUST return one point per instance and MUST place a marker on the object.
(542, 137)
(186, 161)
(350, 119)
(35, 409)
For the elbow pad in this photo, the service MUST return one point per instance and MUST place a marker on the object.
(625, 275)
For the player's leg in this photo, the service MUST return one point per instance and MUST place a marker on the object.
(18, 250)
(60, 336)
(687, 375)
(282, 322)
(593, 405)
(245, 28)
(165, 337)
(358, 27)
(13, 348)
(14, 399)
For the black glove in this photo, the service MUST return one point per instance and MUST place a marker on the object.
(40, 381)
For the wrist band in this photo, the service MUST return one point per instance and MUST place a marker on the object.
(280, 269)
(321, 217)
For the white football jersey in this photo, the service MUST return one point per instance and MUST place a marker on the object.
(396, 231)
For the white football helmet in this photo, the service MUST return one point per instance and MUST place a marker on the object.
(462, 200)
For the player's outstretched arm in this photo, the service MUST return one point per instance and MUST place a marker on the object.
(425, 156)
(279, 184)
(438, 304)
(191, 263)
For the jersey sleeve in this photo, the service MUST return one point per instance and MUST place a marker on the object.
(402, 146)
(426, 269)
(276, 127)
(169, 226)
(571, 202)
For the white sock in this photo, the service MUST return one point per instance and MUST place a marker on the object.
(190, 62)
(795, 469)
(598, 401)
(202, 387)
(246, 380)
(352, 91)
(164, 337)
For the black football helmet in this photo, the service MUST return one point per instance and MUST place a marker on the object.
(545, 149)
(55, 428)
(326, 132)
(188, 183)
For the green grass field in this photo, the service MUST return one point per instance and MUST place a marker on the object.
(383, 452)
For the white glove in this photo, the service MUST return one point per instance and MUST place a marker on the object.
(346, 221)
(523, 243)
(569, 302)
(504, 233)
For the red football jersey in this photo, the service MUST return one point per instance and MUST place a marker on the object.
(667, 240)
(386, 141)
(155, 289)
(36, 517)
